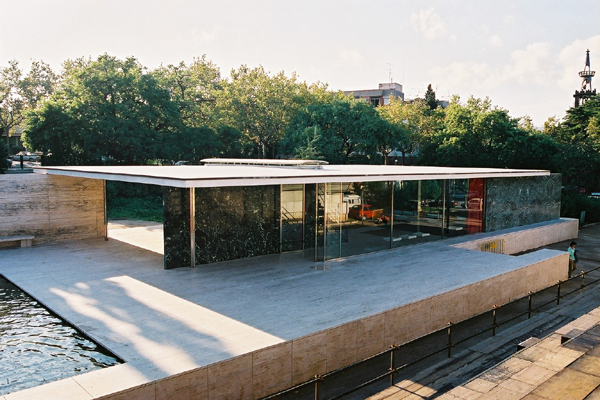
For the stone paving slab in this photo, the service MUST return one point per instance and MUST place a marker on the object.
(547, 370)
(165, 322)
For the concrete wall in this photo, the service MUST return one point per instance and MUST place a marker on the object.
(274, 368)
(51, 207)
(522, 240)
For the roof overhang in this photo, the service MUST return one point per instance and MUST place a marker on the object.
(251, 175)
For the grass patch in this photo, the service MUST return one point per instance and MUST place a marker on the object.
(147, 208)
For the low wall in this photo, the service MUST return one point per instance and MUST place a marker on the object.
(522, 240)
(50, 207)
(268, 370)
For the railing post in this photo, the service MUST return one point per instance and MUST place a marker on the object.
(317, 380)
(529, 309)
(450, 344)
(392, 355)
(494, 324)
(558, 294)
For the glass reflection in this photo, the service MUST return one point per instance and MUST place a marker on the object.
(419, 210)
(333, 228)
(367, 208)
(292, 217)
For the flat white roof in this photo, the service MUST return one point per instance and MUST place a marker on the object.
(250, 175)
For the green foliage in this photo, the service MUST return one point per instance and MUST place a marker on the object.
(106, 111)
(11, 100)
(414, 122)
(3, 156)
(579, 140)
(193, 89)
(261, 106)
(149, 208)
(16, 149)
(430, 99)
(134, 201)
(308, 150)
(480, 135)
(349, 130)
(19, 94)
(572, 204)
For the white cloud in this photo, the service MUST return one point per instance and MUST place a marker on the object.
(496, 41)
(534, 64)
(509, 19)
(428, 23)
(206, 36)
(351, 57)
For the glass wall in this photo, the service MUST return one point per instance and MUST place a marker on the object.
(419, 211)
(331, 220)
(366, 216)
(292, 217)
(333, 226)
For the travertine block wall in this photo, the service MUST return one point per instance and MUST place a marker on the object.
(51, 207)
(523, 240)
(268, 370)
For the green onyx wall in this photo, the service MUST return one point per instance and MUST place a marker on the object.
(513, 202)
(176, 227)
(236, 222)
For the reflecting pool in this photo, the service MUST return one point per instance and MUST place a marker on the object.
(37, 347)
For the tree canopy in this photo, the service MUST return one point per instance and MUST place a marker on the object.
(116, 111)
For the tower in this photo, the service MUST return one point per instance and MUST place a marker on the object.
(586, 75)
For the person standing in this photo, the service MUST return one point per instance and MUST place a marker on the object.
(572, 258)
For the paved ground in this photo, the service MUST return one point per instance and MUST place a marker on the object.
(490, 369)
(162, 322)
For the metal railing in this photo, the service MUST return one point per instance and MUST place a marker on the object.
(448, 333)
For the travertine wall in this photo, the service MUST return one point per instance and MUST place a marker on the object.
(51, 207)
(527, 239)
(268, 370)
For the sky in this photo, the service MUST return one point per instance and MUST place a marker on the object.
(524, 55)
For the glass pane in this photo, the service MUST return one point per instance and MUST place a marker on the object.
(292, 214)
(320, 223)
(457, 207)
(367, 208)
(475, 205)
(418, 212)
(333, 206)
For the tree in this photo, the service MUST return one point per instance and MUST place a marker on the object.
(430, 99)
(19, 94)
(308, 150)
(39, 83)
(478, 134)
(11, 99)
(414, 122)
(105, 111)
(579, 139)
(261, 106)
(348, 130)
(193, 88)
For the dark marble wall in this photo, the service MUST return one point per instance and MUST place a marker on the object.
(176, 222)
(512, 202)
(236, 222)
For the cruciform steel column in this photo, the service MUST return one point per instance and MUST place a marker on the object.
(105, 212)
(192, 227)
